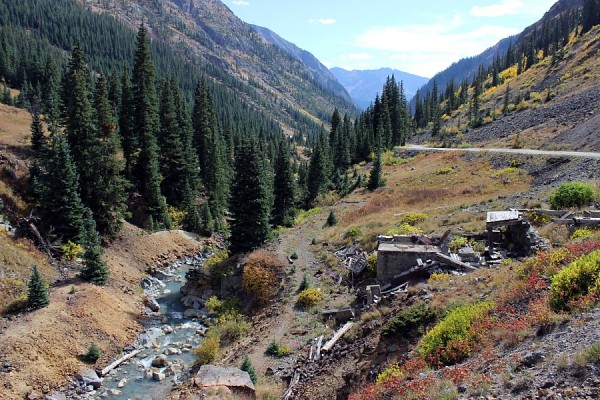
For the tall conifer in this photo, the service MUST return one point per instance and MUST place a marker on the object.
(249, 205)
(37, 292)
(147, 126)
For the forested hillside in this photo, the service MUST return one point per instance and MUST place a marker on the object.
(248, 77)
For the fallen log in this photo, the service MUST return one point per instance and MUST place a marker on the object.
(290, 389)
(337, 336)
(118, 362)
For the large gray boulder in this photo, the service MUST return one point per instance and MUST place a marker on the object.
(234, 379)
(89, 377)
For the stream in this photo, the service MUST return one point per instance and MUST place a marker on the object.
(169, 334)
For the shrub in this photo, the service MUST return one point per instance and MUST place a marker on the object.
(453, 338)
(438, 277)
(277, 349)
(372, 265)
(93, 353)
(414, 218)
(213, 266)
(209, 349)
(390, 373)
(294, 256)
(582, 233)
(572, 194)
(444, 170)
(71, 251)
(404, 229)
(592, 353)
(409, 320)
(304, 284)
(37, 293)
(261, 275)
(247, 366)
(177, 217)
(538, 219)
(331, 219)
(310, 297)
(230, 327)
(353, 232)
(457, 243)
(578, 279)
(213, 304)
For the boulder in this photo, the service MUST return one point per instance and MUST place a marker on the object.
(152, 304)
(236, 380)
(160, 362)
(167, 329)
(89, 377)
(158, 376)
(171, 350)
(195, 313)
(122, 383)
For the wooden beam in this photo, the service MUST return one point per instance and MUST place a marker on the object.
(118, 362)
(455, 263)
(337, 336)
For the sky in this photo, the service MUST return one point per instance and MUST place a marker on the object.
(421, 37)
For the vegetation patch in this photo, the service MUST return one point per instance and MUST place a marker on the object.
(310, 297)
(262, 272)
(453, 339)
(580, 279)
(409, 321)
(572, 194)
(276, 349)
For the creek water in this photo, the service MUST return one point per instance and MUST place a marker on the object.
(135, 376)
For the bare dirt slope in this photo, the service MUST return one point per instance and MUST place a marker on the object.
(43, 346)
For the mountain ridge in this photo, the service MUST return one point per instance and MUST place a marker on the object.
(363, 85)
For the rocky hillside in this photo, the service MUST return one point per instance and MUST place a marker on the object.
(207, 32)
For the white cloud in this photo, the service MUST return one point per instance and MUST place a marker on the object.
(356, 57)
(322, 21)
(427, 49)
(241, 3)
(506, 7)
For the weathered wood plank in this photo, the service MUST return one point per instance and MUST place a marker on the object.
(337, 336)
(118, 362)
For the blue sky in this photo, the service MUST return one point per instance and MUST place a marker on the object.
(421, 37)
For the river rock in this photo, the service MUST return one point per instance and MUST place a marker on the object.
(158, 376)
(172, 350)
(113, 392)
(195, 313)
(160, 362)
(152, 304)
(122, 383)
(89, 377)
(56, 396)
(167, 329)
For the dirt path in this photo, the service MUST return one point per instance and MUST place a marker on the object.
(281, 321)
(531, 152)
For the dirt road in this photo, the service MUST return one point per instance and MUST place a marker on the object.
(581, 154)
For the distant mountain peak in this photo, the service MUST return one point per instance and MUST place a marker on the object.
(363, 85)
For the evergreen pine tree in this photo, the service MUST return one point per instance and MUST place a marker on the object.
(38, 139)
(247, 366)
(284, 188)
(109, 191)
(319, 170)
(37, 292)
(57, 191)
(147, 125)
(436, 112)
(95, 270)
(331, 219)
(505, 109)
(376, 179)
(249, 203)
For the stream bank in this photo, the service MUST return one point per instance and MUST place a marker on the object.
(163, 351)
